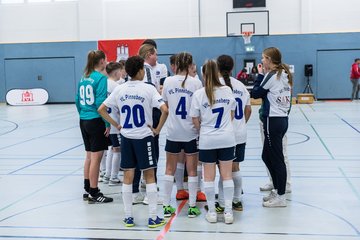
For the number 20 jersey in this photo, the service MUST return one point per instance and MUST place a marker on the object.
(179, 125)
(135, 100)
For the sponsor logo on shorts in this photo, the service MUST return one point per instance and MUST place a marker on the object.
(151, 162)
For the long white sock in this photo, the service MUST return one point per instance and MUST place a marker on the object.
(103, 162)
(115, 166)
(127, 199)
(221, 199)
(168, 185)
(228, 194)
(199, 174)
(193, 184)
(209, 188)
(237, 186)
(179, 176)
(108, 162)
(151, 191)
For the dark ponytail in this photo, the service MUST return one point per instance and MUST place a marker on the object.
(226, 65)
(183, 62)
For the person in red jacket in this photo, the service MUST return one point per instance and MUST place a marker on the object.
(354, 77)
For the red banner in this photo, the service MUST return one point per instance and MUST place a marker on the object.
(116, 50)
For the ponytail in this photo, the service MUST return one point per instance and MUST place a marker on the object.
(284, 67)
(183, 61)
(210, 72)
(226, 64)
(93, 60)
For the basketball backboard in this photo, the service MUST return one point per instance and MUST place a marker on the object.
(247, 21)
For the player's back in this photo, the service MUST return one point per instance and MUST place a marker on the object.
(135, 100)
(180, 126)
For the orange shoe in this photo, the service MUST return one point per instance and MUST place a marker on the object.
(200, 197)
(182, 195)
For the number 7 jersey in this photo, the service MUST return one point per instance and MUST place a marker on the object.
(216, 129)
(180, 127)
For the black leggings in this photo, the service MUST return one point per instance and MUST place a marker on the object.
(272, 154)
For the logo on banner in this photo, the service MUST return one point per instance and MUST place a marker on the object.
(27, 96)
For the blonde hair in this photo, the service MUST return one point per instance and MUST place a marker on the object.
(211, 77)
(145, 50)
(274, 55)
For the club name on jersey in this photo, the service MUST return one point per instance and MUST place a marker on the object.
(220, 100)
(87, 80)
(235, 91)
(180, 90)
(132, 97)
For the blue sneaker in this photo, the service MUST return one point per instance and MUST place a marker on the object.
(129, 222)
(156, 223)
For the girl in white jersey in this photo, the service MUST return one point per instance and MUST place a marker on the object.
(135, 101)
(242, 115)
(113, 69)
(275, 90)
(177, 93)
(212, 110)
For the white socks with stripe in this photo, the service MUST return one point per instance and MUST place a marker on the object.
(115, 166)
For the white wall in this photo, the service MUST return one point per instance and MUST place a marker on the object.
(87, 20)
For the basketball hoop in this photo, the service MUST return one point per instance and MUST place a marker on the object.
(247, 37)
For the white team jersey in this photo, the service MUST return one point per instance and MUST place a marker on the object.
(279, 95)
(149, 76)
(216, 130)
(121, 81)
(161, 72)
(180, 126)
(135, 100)
(114, 113)
(242, 98)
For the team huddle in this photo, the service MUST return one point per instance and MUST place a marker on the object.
(205, 127)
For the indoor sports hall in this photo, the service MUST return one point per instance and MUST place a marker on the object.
(43, 52)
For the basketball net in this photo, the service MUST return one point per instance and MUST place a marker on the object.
(247, 37)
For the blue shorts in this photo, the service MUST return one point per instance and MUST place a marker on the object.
(215, 155)
(92, 132)
(176, 147)
(114, 138)
(240, 152)
(138, 152)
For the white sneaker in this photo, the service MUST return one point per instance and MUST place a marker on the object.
(288, 188)
(211, 217)
(272, 194)
(105, 179)
(137, 198)
(278, 201)
(267, 187)
(159, 201)
(114, 181)
(229, 217)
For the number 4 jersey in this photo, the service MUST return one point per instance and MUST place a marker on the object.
(135, 100)
(216, 129)
(179, 125)
(92, 91)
